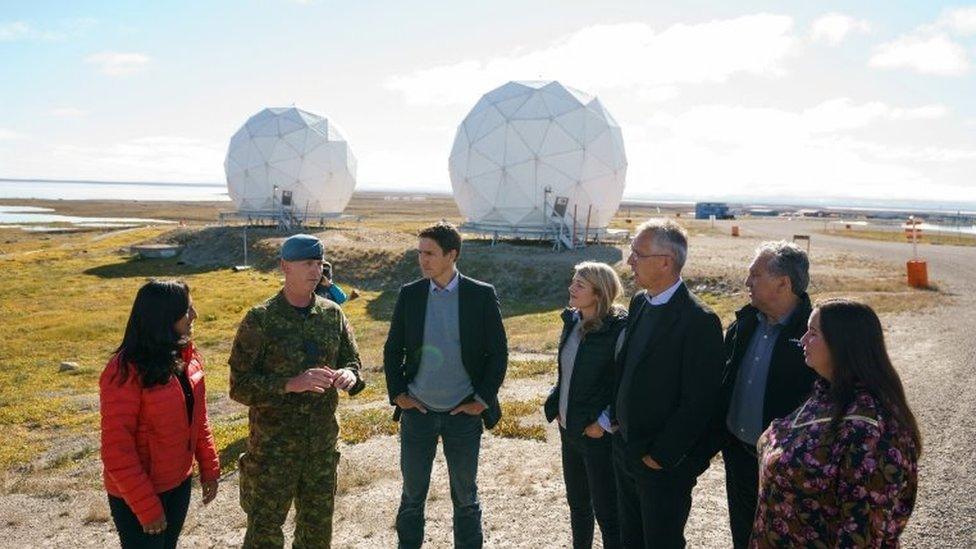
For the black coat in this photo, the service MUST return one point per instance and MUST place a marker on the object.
(591, 383)
(673, 394)
(484, 348)
(790, 380)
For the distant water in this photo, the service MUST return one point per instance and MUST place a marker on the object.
(97, 190)
(30, 218)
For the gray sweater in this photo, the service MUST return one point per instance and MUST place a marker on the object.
(441, 382)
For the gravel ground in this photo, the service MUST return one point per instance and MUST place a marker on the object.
(520, 481)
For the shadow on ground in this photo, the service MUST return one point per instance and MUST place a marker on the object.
(136, 267)
(230, 453)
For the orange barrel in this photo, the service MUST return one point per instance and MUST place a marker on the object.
(735, 230)
(918, 273)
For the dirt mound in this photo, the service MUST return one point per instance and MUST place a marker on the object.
(523, 272)
(380, 260)
(224, 246)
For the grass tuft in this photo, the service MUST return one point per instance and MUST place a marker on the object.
(521, 369)
(512, 424)
(361, 425)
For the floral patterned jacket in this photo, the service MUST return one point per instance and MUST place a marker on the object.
(856, 490)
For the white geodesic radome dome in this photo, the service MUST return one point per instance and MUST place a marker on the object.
(285, 150)
(525, 137)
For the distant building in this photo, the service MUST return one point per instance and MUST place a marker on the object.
(763, 212)
(704, 210)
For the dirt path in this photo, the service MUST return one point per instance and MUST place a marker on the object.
(521, 484)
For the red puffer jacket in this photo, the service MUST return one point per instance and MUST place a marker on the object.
(148, 445)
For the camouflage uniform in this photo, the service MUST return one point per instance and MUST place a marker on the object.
(291, 450)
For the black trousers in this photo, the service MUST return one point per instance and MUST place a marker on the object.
(591, 489)
(741, 487)
(175, 504)
(654, 505)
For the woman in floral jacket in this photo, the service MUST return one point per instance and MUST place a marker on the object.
(841, 471)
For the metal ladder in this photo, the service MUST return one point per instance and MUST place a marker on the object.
(562, 229)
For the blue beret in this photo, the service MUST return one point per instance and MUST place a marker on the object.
(302, 246)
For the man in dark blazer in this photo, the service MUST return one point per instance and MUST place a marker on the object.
(445, 359)
(668, 378)
(766, 375)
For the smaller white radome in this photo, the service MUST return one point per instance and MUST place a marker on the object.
(525, 137)
(293, 150)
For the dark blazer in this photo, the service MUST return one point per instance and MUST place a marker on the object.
(674, 391)
(591, 384)
(790, 380)
(484, 347)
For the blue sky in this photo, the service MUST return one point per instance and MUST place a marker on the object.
(715, 98)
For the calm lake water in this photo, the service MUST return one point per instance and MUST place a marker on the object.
(95, 190)
(31, 218)
(41, 219)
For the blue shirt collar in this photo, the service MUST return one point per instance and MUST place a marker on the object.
(763, 319)
(665, 296)
(434, 288)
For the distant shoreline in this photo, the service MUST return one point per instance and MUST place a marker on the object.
(832, 204)
(93, 182)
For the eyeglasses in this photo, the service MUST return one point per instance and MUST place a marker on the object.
(645, 256)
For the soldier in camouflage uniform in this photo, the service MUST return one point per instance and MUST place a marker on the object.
(290, 356)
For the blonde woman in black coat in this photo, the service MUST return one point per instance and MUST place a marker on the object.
(592, 329)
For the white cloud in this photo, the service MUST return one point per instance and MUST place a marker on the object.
(62, 30)
(960, 20)
(118, 64)
(151, 158)
(14, 30)
(9, 135)
(936, 54)
(923, 153)
(723, 150)
(629, 55)
(833, 28)
(842, 114)
(659, 94)
(67, 112)
(736, 125)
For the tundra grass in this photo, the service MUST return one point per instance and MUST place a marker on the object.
(67, 298)
(946, 238)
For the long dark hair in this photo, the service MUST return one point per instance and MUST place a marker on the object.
(151, 346)
(855, 339)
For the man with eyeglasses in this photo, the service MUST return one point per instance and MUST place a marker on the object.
(668, 377)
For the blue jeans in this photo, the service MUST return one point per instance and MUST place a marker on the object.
(418, 444)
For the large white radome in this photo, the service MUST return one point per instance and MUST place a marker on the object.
(296, 151)
(526, 136)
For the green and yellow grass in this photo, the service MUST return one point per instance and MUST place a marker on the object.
(66, 297)
(897, 235)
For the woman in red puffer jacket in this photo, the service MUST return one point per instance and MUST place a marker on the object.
(154, 419)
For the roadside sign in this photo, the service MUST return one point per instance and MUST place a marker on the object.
(913, 232)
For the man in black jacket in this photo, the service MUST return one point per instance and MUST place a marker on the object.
(445, 359)
(668, 379)
(766, 375)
